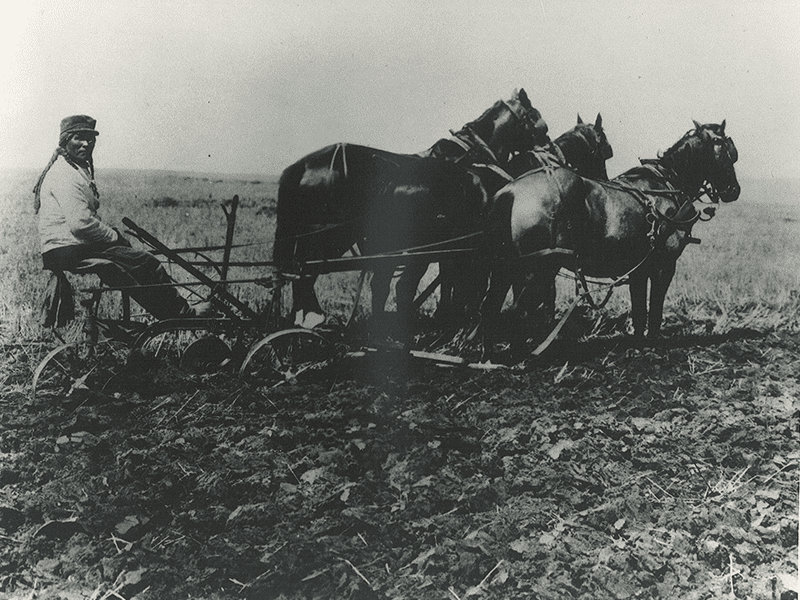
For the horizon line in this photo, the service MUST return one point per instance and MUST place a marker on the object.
(276, 176)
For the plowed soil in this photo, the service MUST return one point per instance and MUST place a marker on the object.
(609, 469)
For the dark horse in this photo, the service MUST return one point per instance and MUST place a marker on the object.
(636, 225)
(583, 149)
(348, 195)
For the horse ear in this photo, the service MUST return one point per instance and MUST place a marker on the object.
(523, 98)
(722, 126)
(696, 124)
(598, 123)
(580, 121)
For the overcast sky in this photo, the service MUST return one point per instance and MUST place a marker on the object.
(250, 86)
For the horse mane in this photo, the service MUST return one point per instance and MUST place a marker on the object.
(582, 143)
(681, 156)
(519, 96)
(476, 123)
(691, 137)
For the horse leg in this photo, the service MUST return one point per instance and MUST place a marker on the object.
(490, 309)
(526, 300)
(468, 290)
(638, 291)
(545, 295)
(548, 295)
(379, 286)
(303, 296)
(467, 283)
(659, 284)
(405, 292)
(444, 310)
(538, 291)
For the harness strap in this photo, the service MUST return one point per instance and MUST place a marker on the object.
(580, 279)
(549, 158)
(323, 228)
(655, 216)
(436, 244)
(556, 149)
(494, 169)
(478, 141)
(340, 146)
(459, 142)
(473, 142)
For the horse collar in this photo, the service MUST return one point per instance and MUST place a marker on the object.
(460, 142)
(477, 142)
(660, 171)
(556, 150)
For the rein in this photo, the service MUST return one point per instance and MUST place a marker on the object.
(324, 228)
(578, 297)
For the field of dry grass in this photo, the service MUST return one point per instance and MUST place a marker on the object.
(745, 272)
(179, 209)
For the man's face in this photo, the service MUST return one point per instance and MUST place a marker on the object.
(80, 146)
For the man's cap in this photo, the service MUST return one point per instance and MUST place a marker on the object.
(77, 123)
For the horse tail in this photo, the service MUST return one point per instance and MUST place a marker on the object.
(313, 193)
(497, 232)
(288, 213)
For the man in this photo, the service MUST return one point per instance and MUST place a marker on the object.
(73, 238)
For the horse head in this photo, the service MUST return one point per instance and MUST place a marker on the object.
(510, 126)
(703, 160)
(587, 148)
(533, 130)
(720, 156)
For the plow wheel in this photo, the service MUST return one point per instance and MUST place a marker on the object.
(285, 355)
(189, 346)
(77, 365)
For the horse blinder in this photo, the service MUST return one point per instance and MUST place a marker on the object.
(733, 153)
(732, 190)
(730, 148)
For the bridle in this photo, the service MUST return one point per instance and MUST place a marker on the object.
(708, 188)
(598, 150)
(519, 112)
(524, 117)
